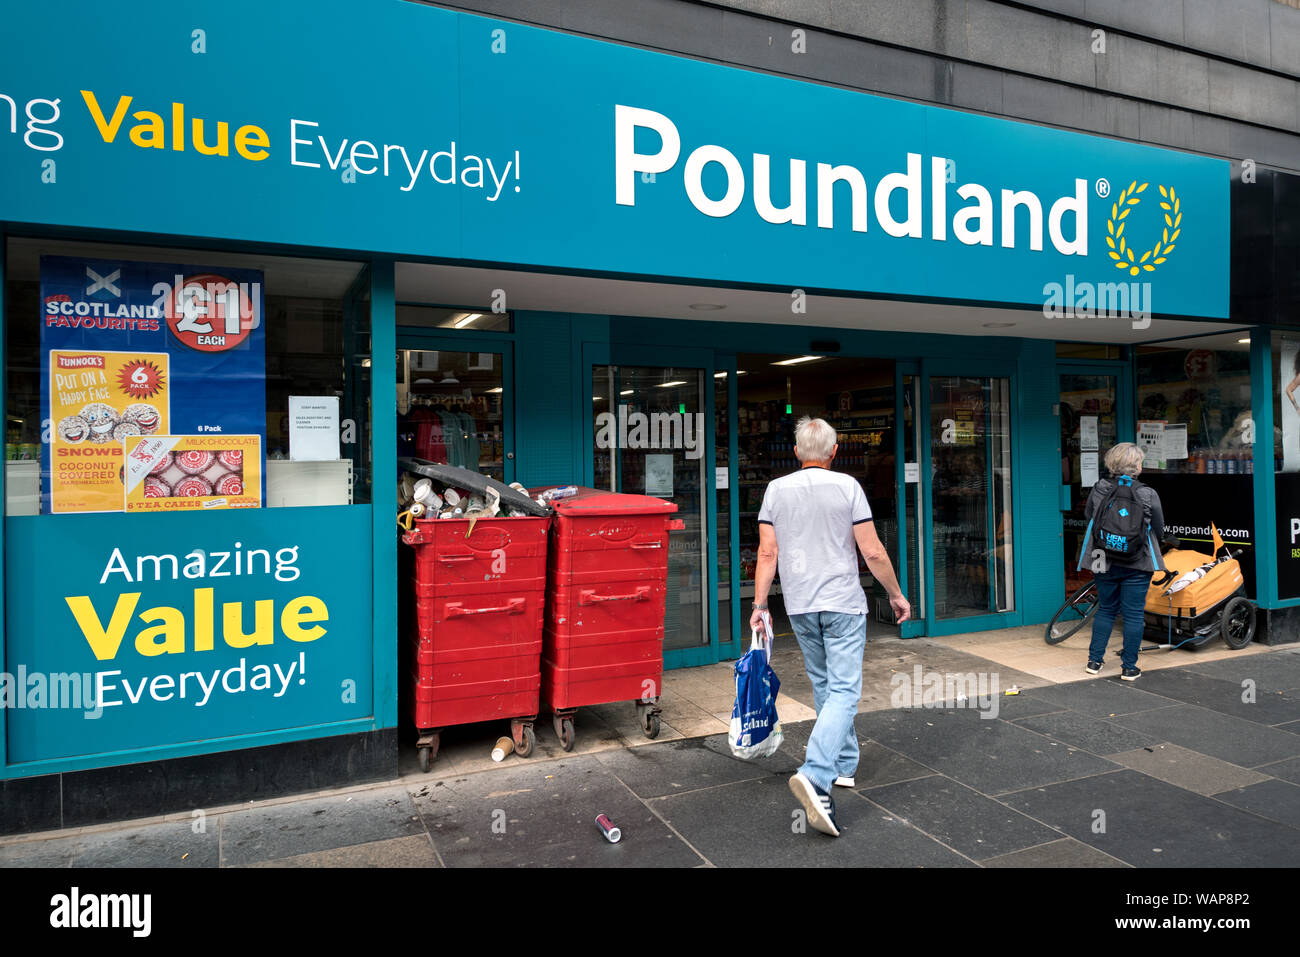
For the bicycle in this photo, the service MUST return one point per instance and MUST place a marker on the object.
(1074, 614)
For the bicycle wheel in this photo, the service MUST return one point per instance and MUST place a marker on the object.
(1073, 615)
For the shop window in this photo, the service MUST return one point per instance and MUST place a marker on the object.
(1286, 460)
(1194, 422)
(463, 320)
(244, 384)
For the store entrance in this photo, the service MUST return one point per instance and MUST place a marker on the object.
(1089, 426)
(650, 438)
(858, 398)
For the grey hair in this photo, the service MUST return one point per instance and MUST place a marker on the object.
(1125, 459)
(814, 440)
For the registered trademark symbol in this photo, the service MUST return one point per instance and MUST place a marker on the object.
(1103, 188)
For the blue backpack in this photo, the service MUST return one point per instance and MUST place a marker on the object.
(1119, 524)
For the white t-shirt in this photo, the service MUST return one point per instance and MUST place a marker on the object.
(813, 512)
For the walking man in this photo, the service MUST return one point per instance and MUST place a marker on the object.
(812, 524)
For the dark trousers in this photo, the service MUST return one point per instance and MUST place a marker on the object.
(1121, 591)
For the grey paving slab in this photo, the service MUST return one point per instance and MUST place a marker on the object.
(990, 756)
(1101, 697)
(1275, 671)
(1187, 769)
(49, 852)
(1223, 695)
(1097, 735)
(959, 817)
(414, 851)
(302, 827)
(1275, 800)
(1288, 770)
(1235, 740)
(752, 824)
(691, 763)
(1067, 852)
(1149, 823)
(168, 844)
(544, 816)
(162, 845)
(879, 765)
(1292, 726)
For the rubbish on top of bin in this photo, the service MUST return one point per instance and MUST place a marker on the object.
(564, 491)
(473, 483)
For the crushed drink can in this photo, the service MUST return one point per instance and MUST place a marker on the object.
(612, 833)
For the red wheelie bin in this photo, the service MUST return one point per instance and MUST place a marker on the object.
(476, 636)
(607, 577)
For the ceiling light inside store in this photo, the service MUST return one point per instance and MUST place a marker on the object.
(497, 391)
(665, 385)
(796, 360)
(719, 375)
(1244, 342)
(707, 306)
(466, 319)
(627, 391)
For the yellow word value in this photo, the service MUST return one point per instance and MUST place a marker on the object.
(169, 626)
(151, 132)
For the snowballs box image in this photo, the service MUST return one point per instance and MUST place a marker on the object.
(178, 472)
(97, 400)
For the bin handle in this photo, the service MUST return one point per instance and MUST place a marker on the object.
(588, 596)
(452, 559)
(654, 544)
(515, 606)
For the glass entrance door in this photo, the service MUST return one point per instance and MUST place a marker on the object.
(971, 512)
(452, 404)
(1089, 421)
(649, 439)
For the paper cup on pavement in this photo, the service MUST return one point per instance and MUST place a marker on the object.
(503, 747)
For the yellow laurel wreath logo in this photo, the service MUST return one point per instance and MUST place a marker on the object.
(1123, 254)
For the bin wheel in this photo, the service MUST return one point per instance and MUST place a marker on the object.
(1238, 623)
(650, 723)
(427, 754)
(564, 731)
(524, 747)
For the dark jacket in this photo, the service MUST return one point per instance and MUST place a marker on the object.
(1149, 558)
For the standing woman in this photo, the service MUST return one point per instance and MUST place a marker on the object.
(1122, 585)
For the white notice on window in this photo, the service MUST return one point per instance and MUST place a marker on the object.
(1088, 433)
(911, 472)
(659, 475)
(1176, 441)
(1088, 469)
(314, 428)
(1151, 439)
(722, 479)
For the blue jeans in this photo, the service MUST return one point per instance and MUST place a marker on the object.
(1120, 590)
(832, 645)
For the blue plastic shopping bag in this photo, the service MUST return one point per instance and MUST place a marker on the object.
(755, 727)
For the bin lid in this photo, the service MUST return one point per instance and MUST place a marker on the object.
(594, 501)
(457, 477)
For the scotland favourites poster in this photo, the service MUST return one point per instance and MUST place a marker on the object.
(136, 349)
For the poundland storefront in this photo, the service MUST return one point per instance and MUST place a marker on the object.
(588, 263)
